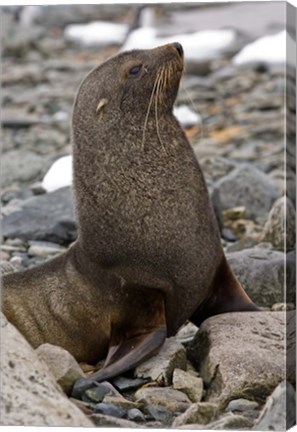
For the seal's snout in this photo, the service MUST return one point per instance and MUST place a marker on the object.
(179, 48)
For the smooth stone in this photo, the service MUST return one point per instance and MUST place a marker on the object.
(200, 412)
(84, 384)
(160, 414)
(279, 412)
(172, 400)
(125, 384)
(282, 212)
(48, 217)
(110, 409)
(242, 405)
(229, 421)
(95, 394)
(102, 420)
(244, 243)
(188, 384)
(254, 361)
(135, 415)
(121, 402)
(30, 395)
(62, 364)
(247, 186)
(160, 367)
(261, 273)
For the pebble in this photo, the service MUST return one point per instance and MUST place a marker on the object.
(283, 307)
(110, 409)
(102, 420)
(82, 385)
(242, 405)
(125, 384)
(160, 414)
(135, 415)
(95, 394)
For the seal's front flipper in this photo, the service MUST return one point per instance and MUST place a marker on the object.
(225, 295)
(136, 338)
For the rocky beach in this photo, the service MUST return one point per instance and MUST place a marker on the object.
(236, 370)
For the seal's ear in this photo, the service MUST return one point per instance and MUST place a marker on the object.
(99, 110)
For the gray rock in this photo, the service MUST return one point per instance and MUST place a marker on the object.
(30, 395)
(231, 422)
(170, 399)
(261, 273)
(159, 413)
(48, 217)
(110, 409)
(160, 367)
(242, 405)
(134, 414)
(279, 412)
(216, 167)
(240, 354)
(22, 167)
(62, 364)
(247, 186)
(187, 383)
(201, 413)
(82, 385)
(109, 421)
(282, 212)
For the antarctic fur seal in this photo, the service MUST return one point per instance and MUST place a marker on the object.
(148, 254)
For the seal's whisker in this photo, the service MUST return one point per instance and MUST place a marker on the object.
(148, 111)
(160, 81)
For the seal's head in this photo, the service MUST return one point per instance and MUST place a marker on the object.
(128, 83)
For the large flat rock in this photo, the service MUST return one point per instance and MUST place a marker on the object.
(48, 217)
(240, 355)
(30, 395)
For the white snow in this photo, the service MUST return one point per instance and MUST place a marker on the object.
(186, 116)
(98, 33)
(198, 46)
(59, 174)
(267, 49)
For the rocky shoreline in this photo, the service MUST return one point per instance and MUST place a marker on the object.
(229, 373)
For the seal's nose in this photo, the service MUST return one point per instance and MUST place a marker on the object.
(179, 48)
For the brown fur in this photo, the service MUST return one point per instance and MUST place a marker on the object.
(147, 234)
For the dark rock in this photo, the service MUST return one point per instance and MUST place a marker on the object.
(246, 186)
(261, 273)
(110, 409)
(89, 391)
(48, 217)
(136, 415)
(125, 384)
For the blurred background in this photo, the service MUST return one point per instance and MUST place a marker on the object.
(231, 104)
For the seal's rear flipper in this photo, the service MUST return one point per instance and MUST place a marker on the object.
(132, 344)
(225, 295)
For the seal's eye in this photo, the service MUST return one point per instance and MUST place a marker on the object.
(135, 70)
